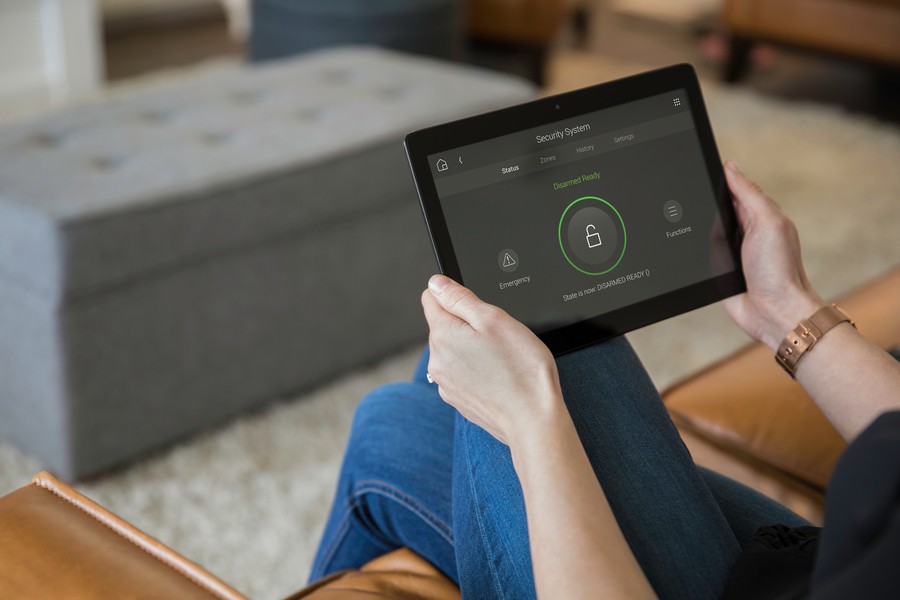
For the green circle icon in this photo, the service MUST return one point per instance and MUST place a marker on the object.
(562, 246)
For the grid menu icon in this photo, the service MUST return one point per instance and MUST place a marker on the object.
(676, 101)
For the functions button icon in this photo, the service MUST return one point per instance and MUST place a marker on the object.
(508, 260)
(672, 211)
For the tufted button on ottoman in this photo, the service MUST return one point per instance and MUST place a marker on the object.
(177, 253)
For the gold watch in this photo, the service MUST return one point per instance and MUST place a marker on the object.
(799, 341)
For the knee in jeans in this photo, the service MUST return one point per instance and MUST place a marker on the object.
(380, 404)
(377, 417)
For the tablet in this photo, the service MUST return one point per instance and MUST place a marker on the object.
(584, 215)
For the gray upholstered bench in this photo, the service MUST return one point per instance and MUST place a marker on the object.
(175, 254)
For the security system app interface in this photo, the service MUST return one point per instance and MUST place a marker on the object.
(577, 218)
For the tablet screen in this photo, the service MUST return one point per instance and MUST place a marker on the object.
(582, 216)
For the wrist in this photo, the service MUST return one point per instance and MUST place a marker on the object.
(540, 426)
(787, 313)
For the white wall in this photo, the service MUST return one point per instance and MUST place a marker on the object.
(49, 51)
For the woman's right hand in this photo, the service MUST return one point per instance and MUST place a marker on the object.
(778, 293)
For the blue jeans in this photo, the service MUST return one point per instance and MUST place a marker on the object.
(417, 474)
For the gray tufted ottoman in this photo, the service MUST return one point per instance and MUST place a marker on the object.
(176, 254)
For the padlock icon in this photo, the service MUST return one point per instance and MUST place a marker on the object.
(593, 239)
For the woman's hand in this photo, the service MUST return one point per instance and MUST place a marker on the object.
(500, 376)
(487, 365)
(851, 379)
(778, 293)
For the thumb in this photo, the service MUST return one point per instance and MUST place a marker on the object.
(457, 300)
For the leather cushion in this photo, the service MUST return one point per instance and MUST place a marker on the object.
(57, 543)
(399, 575)
(746, 405)
(801, 498)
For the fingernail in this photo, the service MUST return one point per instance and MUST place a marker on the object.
(734, 167)
(438, 283)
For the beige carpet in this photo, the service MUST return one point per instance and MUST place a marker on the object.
(248, 501)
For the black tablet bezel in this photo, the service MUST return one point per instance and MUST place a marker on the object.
(426, 142)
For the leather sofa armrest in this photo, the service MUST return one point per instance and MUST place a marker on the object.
(58, 543)
(747, 405)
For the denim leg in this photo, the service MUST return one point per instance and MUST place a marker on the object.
(667, 513)
(395, 483)
(493, 557)
(745, 509)
(668, 509)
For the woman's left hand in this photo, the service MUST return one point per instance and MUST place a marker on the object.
(487, 365)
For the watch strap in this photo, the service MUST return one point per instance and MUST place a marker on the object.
(803, 337)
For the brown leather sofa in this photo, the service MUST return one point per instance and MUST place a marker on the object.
(745, 418)
(534, 22)
(742, 417)
(866, 30)
(527, 27)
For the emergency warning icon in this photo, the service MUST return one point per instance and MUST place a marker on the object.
(508, 260)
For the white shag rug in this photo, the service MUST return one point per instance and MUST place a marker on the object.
(248, 501)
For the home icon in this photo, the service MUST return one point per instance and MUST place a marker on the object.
(442, 165)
